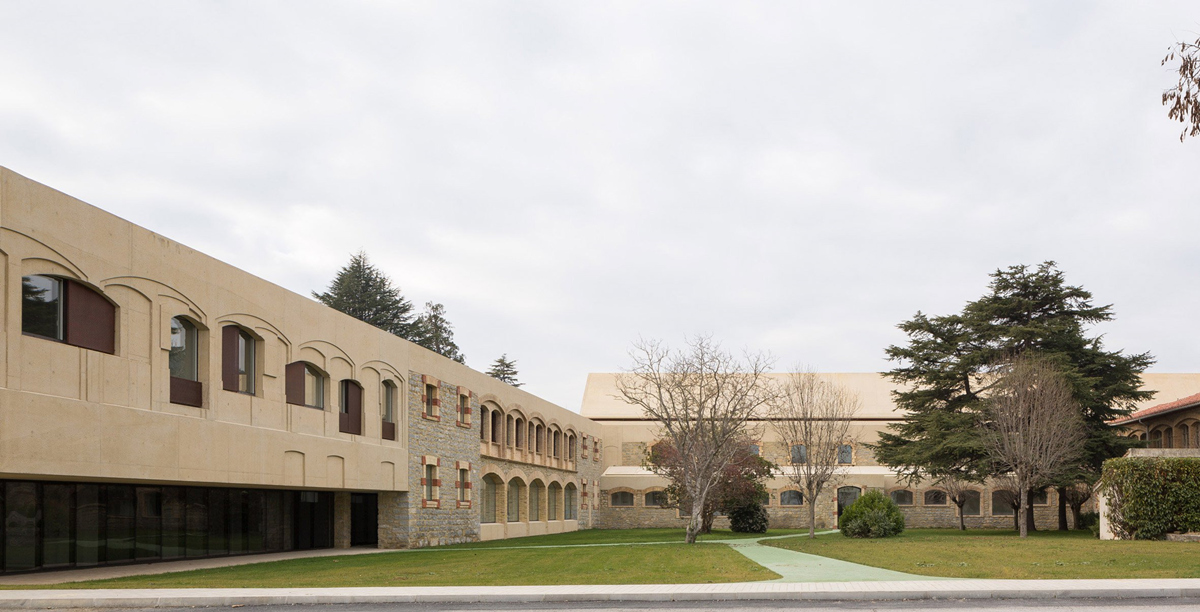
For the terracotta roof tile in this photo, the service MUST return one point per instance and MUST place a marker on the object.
(1183, 402)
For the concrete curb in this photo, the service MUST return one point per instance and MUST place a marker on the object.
(813, 591)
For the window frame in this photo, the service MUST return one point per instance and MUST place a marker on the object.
(798, 494)
(612, 499)
(191, 336)
(247, 358)
(60, 287)
(912, 498)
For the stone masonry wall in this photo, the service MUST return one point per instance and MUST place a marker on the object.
(409, 520)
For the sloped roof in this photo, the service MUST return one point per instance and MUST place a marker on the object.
(1179, 404)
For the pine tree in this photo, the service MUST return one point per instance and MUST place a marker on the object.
(944, 371)
(363, 292)
(436, 333)
(504, 370)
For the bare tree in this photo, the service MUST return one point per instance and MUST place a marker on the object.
(957, 490)
(1032, 428)
(702, 399)
(1077, 495)
(1183, 100)
(812, 418)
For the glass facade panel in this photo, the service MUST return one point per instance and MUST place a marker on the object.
(55, 525)
(20, 526)
(174, 526)
(119, 526)
(245, 362)
(197, 522)
(42, 306)
(89, 525)
(218, 519)
(184, 357)
(149, 523)
(57, 500)
(314, 387)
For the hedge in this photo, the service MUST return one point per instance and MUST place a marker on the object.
(1149, 497)
(873, 515)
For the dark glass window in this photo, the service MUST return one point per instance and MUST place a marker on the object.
(174, 528)
(902, 498)
(42, 306)
(1003, 503)
(431, 396)
(120, 526)
(57, 501)
(218, 516)
(1038, 498)
(622, 498)
(149, 522)
(238, 500)
(845, 454)
(89, 525)
(799, 454)
(464, 485)
(791, 498)
(935, 498)
(314, 387)
(255, 523)
(197, 522)
(656, 499)
(430, 484)
(389, 401)
(569, 503)
(185, 349)
(245, 363)
(971, 506)
(20, 526)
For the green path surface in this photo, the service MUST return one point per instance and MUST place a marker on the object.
(795, 566)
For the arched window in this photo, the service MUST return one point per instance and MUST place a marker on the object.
(1004, 503)
(497, 427)
(971, 505)
(68, 311)
(388, 409)
(845, 454)
(902, 497)
(935, 497)
(570, 502)
(520, 432)
(791, 498)
(350, 413)
(184, 363)
(536, 489)
(484, 422)
(1168, 438)
(491, 493)
(621, 499)
(552, 499)
(656, 499)
(239, 367)
(1185, 440)
(1156, 439)
(511, 434)
(514, 500)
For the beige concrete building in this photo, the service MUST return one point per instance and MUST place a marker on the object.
(157, 404)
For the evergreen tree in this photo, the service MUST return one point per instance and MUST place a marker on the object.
(363, 292)
(945, 366)
(504, 370)
(436, 333)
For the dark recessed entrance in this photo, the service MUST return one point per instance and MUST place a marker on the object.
(364, 519)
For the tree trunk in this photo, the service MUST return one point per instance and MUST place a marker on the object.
(1024, 504)
(962, 520)
(1030, 524)
(1075, 512)
(693, 528)
(1062, 509)
(706, 524)
(1017, 520)
(812, 518)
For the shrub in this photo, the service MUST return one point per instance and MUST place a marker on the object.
(1149, 497)
(1087, 520)
(872, 516)
(749, 518)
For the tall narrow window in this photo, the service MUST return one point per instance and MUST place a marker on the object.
(431, 400)
(389, 410)
(314, 387)
(42, 306)
(237, 359)
(185, 357)
(430, 482)
(569, 504)
(514, 500)
(845, 454)
(184, 364)
(464, 409)
(464, 485)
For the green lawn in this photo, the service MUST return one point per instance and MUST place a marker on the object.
(481, 564)
(1001, 554)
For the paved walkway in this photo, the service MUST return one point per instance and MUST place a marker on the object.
(793, 566)
(812, 591)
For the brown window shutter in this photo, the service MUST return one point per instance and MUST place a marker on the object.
(91, 320)
(293, 384)
(229, 357)
(354, 395)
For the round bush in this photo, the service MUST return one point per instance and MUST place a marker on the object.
(750, 518)
(872, 516)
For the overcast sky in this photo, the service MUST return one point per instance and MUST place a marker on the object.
(564, 177)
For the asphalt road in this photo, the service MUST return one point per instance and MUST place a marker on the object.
(1072, 605)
